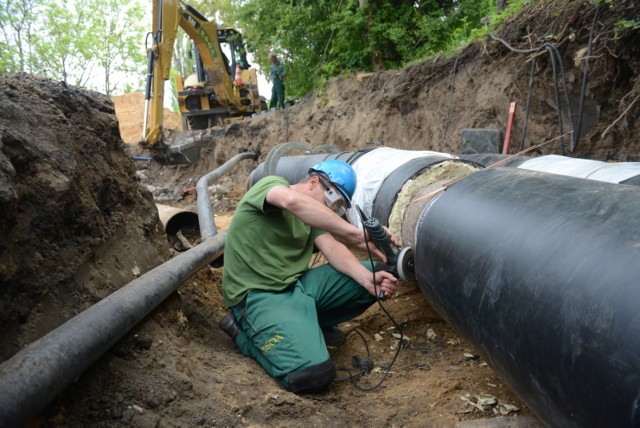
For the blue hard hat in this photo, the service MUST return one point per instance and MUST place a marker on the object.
(340, 174)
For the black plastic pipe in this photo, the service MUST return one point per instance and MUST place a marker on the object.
(633, 181)
(488, 159)
(295, 168)
(36, 375)
(541, 273)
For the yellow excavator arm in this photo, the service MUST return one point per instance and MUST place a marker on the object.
(208, 98)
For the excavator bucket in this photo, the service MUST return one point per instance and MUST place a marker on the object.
(176, 148)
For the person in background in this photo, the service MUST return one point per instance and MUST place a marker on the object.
(278, 75)
(284, 314)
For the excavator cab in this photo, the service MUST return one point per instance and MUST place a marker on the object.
(223, 87)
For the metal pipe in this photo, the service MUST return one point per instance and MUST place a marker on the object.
(205, 209)
(541, 273)
(36, 375)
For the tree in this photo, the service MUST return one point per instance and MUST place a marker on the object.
(74, 41)
(60, 44)
(320, 39)
(16, 20)
(114, 39)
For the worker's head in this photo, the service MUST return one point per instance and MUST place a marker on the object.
(273, 57)
(339, 175)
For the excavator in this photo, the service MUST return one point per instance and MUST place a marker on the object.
(209, 97)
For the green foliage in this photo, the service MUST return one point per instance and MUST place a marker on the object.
(320, 39)
(17, 19)
(632, 24)
(114, 39)
(99, 43)
(91, 43)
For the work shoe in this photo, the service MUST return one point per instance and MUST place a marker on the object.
(333, 336)
(229, 325)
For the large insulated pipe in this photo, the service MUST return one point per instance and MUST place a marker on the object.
(616, 172)
(294, 168)
(372, 166)
(36, 375)
(541, 273)
(612, 172)
(538, 271)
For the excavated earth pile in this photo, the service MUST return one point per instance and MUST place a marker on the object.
(72, 211)
(78, 221)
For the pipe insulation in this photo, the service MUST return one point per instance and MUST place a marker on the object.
(36, 375)
(612, 172)
(372, 167)
(541, 273)
(617, 172)
(408, 188)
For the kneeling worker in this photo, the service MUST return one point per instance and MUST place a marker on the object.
(283, 314)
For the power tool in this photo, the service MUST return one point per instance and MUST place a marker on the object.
(400, 261)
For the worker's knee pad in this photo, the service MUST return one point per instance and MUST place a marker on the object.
(313, 378)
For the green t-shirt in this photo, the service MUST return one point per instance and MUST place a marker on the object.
(267, 248)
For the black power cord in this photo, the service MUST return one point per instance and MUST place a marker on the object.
(365, 365)
(556, 62)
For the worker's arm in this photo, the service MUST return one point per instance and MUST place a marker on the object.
(314, 213)
(318, 215)
(339, 256)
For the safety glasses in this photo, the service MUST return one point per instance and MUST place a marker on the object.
(334, 200)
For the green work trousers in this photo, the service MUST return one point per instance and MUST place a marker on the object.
(277, 94)
(282, 330)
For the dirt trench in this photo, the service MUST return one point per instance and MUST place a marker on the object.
(77, 221)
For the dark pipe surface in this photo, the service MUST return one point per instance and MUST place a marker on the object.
(36, 375)
(294, 168)
(541, 273)
(633, 181)
(488, 159)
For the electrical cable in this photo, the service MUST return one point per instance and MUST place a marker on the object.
(583, 89)
(556, 58)
(451, 91)
(557, 94)
(528, 107)
(362, 370)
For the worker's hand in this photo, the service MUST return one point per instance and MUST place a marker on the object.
(372, 247)
(394, 239)
(385, 282)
